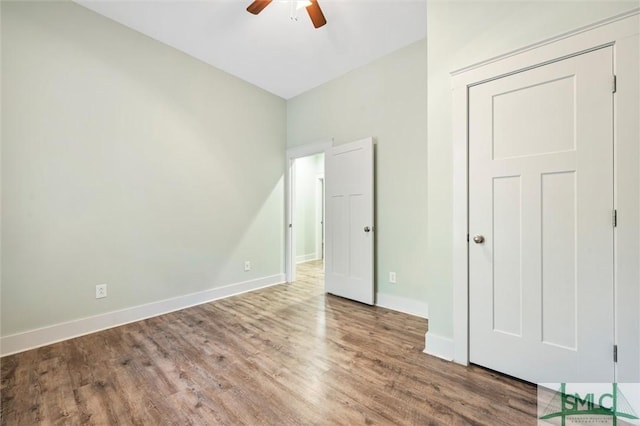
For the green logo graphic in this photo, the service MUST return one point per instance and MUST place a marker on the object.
(612, 405)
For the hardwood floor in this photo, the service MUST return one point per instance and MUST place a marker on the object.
(286, 355)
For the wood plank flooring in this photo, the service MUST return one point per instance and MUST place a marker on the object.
(285, 355)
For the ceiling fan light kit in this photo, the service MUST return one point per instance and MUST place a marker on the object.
(312, 6)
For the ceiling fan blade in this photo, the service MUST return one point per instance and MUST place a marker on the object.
(316, 15)
(257, 6)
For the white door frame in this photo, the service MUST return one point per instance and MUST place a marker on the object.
(290, 241)
(320, 216)
(621, 32)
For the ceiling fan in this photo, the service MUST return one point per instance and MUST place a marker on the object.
(312, 6)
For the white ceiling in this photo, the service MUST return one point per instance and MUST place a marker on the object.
(270, 50)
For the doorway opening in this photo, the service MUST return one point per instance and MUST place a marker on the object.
(349, 212)
(305, 211)
(308, 212)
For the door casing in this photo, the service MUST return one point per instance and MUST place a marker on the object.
(623, 34)
(320, 216)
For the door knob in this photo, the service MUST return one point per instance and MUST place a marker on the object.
(478, 239)
(367, 229)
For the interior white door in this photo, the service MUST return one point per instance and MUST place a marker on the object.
(541, 196)
(349, 214)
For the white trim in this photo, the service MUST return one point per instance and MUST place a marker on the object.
(402, 304)
(441, 347)
(290, 236)
(550, 40)
(627, 202)
(569, 44)
(289, 194)
(309, 149)
(307, 257)
(320, 215)
(460, 246)
(616, 32)
(32, 339)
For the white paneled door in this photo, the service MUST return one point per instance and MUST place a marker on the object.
(349, 221)
(540, 221)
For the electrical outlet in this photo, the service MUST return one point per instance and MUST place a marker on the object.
(101, 291)
(247, 265)
(392, 277)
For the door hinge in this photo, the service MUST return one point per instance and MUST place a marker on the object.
(614, 87)
(615, 353)
(467, 237)
(615, 218)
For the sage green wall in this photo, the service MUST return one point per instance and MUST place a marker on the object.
(461, 33)
(306, 208)
(129, 163)
(386, 99)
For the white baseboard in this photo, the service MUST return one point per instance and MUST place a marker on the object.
(307, 257)
(32, 339)
(439, 346)
(402, 304)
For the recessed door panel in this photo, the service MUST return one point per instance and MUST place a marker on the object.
(534, 120)
(559, 261)
(507, 256)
